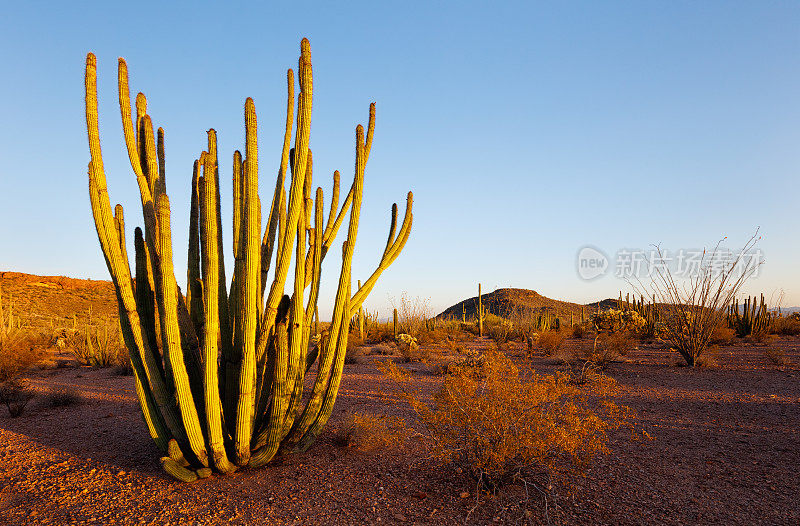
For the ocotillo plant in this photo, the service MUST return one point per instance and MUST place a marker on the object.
(220, 373)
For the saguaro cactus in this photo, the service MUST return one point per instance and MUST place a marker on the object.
(220, 372)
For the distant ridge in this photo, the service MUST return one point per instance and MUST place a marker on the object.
(506, 302)
(42, 301)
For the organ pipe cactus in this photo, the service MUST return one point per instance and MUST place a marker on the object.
(220, 373)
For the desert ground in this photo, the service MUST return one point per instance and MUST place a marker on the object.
(724, 449)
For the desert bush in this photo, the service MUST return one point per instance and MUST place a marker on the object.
(578, 332)
(776, 356)
(595, 355)
(15, 395)
(382, 350)
(411, 314)
(19, 350)
(99, 346)
(550, 341)
(410, 353)
(500, 427)
(618, 343)
(370, 432)
(65, 398)
(379, 333)
(785, 325)
(354, 353)
(722, 336)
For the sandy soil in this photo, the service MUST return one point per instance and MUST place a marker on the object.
(725, 450)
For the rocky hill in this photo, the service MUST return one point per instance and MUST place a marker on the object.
(508, 303)
(51, 301)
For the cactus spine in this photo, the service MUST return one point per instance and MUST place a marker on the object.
(220, 375)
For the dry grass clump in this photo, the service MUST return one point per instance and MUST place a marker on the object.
(501, 428)
(786, 326)
(65, 398)
(722, 336)
(619, 343)
(777, 356)
(354, 353)
(15, 395)
(550, 341)
(99, 346)
(371, 432)
(411, 353)
(19, 351)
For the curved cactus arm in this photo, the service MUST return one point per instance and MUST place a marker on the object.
(393, 248)
(166, 294)
(295, 202)
(309, 420)
(268, 242)
(142, 359)
(297, 355)
(267, 441)
(128, 129)
(332, 388)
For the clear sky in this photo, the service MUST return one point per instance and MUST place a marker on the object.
(526, 130)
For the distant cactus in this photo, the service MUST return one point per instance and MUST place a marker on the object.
(220, 373)
(480, 313)
(753, 319)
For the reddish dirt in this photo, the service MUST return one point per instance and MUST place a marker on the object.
(725, 450)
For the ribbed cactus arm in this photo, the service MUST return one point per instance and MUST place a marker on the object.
(268, 242)
(211, 331)
(248, 289)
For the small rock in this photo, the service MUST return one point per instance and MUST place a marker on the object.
(464, 494)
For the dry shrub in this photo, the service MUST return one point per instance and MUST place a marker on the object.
(379, 333)
(19, 351)
(411, 314)
(370, 432)
(15, 395)
(618, 343)
(578, 332)
(785, 326)
(99, 346)
(502, 428)
(776, 356)
(382, 350)
(65, 398)
(550, 342)
(722, 336)
(354, 353)
(410, 353)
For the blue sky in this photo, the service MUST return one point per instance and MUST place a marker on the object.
(526, 130)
